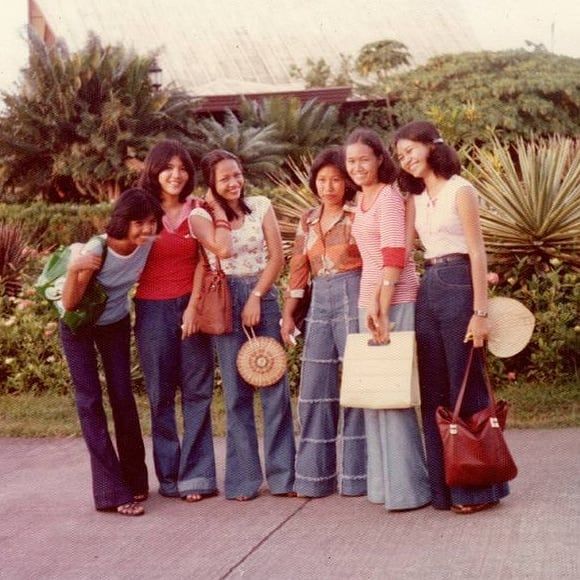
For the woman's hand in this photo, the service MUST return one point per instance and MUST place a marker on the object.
(380, 327)
(251, 312)
(477, 330)
(189, 324)
(287, 330)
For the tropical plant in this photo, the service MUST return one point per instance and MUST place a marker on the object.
(531, 198)
(14, 250)
(257, 147)
(377, 60)
(320, 74)
(301, 128)
(513, 92)
(78, 121)
(292, 198)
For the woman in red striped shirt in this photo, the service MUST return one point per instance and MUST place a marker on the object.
(396, 471)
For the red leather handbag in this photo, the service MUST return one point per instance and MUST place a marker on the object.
(214, 306)
(474, 449)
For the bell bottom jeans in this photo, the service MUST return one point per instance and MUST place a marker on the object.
(117, 475)
(333, 314)
(444, 308)
(243, 469)
(396, 473)
(170, 363)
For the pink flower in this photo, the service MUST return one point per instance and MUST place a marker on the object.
(511, 376)
(492, 278)
(23, 304)
(50, 328)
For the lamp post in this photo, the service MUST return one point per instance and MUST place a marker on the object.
(155, 73)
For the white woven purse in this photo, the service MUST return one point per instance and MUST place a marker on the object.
(380, 376)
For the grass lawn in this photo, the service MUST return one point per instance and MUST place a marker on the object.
(533, 406)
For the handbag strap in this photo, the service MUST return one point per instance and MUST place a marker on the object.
(253, 334)
(218, 265)
(459, 401)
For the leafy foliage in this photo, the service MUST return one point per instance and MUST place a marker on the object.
(532, 198)
(301, 128)
(512, 93)
(79, 119)
(552, 292)
(257, 147)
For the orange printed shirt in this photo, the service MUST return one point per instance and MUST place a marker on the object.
(322, 254)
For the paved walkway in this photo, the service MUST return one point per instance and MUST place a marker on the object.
(49, 530)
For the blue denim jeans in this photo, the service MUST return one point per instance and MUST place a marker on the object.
(396, 474)
(116, 478)
(444, 308)
(333, 314)
(243, 470)
(170, 363)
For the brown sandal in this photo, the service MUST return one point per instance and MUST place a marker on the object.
(474, 508)
(139, 497)
(130, 509)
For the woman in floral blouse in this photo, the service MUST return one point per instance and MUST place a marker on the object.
(325, 253)
(252, 269)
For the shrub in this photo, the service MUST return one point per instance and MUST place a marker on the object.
(50, 225)
(552, 292)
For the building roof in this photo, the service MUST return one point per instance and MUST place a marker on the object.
(226, 47)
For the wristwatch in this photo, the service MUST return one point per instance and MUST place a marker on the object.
(482, 313)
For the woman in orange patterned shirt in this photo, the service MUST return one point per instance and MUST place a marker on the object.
(326, 256)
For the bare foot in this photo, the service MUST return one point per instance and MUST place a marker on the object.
(130, 509)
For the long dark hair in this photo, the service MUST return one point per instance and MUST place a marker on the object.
(133, 204)
(387, 169)
(442, 159)
(157, 160)
(333, 156)
(208, 165)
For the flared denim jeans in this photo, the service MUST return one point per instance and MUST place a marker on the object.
(324, 425)
(444, 308)
(397, 474)
(169, 364)
(243, 470)
(117, 474)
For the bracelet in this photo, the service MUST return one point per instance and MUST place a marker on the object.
(257, 293)
(223, 224)
(481, 313)
(389, 283)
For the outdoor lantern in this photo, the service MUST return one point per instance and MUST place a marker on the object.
(155, 72)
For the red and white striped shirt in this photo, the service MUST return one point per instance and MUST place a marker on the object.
(380, 236)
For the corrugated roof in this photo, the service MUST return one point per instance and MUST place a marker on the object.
(239, 46)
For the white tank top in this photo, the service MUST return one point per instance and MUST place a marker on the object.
(437, 221)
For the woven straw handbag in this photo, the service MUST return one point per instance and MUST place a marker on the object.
(261, 361)
(380, 376)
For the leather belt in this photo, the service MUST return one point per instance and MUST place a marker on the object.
(447, 259)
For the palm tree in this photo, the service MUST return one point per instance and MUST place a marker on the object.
(257, 147)
(78, 120)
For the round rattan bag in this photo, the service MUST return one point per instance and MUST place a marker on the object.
(261, 361)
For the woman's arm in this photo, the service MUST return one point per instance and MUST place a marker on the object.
(394, 247)
(79, 273)
(214, 235)
(251, 311)
(297, 280)
(468, 210)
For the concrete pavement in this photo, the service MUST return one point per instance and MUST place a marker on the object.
(49, 530)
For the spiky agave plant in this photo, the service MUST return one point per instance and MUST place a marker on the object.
(531, 195)
(292, 198)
